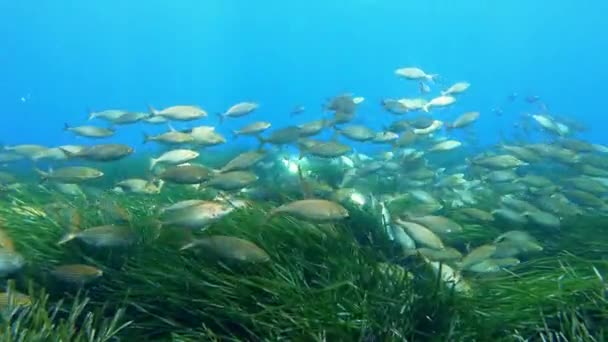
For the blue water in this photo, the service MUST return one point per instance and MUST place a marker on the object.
(63, 57)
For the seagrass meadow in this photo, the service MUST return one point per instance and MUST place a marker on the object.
(344, 281)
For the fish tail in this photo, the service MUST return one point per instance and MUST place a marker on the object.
(68, 154)
(67, 238)
(152, 110)
(44, 176)
(425, 108)
(153, 163)
(432, 78)
(187, 246)
(66, 126)
(91, 114)
(221, 117)
(261, 141)
(146, 137)
(235, 135)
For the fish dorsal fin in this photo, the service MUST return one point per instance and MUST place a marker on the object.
(306, 191)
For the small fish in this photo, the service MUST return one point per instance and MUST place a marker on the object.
(174, 157)
(206, 136)
(441, 101)
(464, 120)
(102, 236)
(238, 110)
(233, 180)
(26, 150)
(10, 262)
(457, 88)
(130, 118)
(196, 214)
(70, 174)
(316, 210)
(231, 248)
(77, 273)
(180, 113)
(421, 234)
(103, 152)
(140, 186)
(109, 115)
(446, 145)
(297, 110)
(413, 73)
(90, 131)
(253, 128)
(244, 161)
(424, 88)
(186, 174)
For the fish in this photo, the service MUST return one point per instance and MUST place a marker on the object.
(139, 186)
(414, 73)
(109, 114)
(130, 118)
(206, 136)
(230, 248)
(356, 132)
(252, 129)
(477, 255)
(178, 156)
(26, 150)
(421, 234)
(102, 152)
(437, 224)
(325, 149)
(441, 101)
(70, 174)
(464, 120)
(76, 273)
(180, 112)
(199, 214)
(446, 145)
(186, 174)
(90, 131)
(456, 88)
(297, 110)
(315, 210)
(232, 180)
(106, 236)
(244, 161)
(238, 110)
(10, 262)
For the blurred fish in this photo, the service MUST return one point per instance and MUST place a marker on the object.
(253, 128)
(102, 236)
(103, 152)
(174, 157)
(457, 88)
(76, 273)
(90, 131)
(297, 110)
(70, 174)
(316, 210)
(231, 248)
(180, 113)
(109, 114)
(413, 73)
(238, 110)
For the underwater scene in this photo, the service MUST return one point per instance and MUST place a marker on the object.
(268, 170)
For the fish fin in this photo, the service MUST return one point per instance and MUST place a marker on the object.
(66, 127)
(67, 238)
(306, 191)
(261, 140)
(220, 117)
(432, 78)
(425, 108)
(68, 153)
(146, 137)
(171, 128)
(153, 163)
(44, 176)
(152, 110)
(91, 113)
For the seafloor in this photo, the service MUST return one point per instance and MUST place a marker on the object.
(324, 282)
